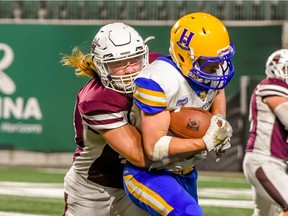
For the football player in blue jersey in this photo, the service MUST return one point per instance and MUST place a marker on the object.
(194, 75)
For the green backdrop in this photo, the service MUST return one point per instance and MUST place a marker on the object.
(37, 113)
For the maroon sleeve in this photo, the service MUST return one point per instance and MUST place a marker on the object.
(153, 56)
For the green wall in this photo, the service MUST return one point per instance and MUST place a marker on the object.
(37, 101)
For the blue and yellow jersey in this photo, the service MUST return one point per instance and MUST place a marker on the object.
(161, 86)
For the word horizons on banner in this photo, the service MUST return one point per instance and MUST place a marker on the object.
(8, 127)
(18, 110)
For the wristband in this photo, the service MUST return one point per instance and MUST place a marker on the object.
(161, 148)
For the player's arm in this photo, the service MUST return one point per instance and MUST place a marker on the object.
(279, 105)
(218, 106)
(126, 140)
(151, 99)
(156, 142)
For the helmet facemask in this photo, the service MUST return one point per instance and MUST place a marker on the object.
(218, 78)
(120, 83)
(277, 65)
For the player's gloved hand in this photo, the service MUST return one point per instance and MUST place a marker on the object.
(218, 131)
(223, 146)
(201, 155)
(226, 143)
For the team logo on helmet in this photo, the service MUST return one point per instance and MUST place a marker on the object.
(276, 58)
(93, 45)
(185, 40)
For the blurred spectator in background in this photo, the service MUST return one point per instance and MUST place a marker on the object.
(17, 10)
(42, 12)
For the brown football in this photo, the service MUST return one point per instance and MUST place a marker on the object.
(189, 122)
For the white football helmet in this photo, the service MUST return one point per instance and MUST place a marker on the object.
(277, 65)
(116, 42)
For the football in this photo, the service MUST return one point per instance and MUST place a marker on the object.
(189, 122)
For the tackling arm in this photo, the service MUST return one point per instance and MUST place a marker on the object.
(126, 140)
(279, 105)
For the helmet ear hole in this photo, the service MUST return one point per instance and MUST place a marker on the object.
(181, 57)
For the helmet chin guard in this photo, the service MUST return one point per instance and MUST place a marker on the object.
(220, 78)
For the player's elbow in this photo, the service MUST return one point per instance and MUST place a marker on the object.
(149, 152)
(136, 154)
(138, 160)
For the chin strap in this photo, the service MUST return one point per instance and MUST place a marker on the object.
(148, 39)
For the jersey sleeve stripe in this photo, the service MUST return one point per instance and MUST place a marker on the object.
(272, 90)
(105, 124)
(149, 96)
(150, 92)
(105, 121)
(148, 84)
(150, 100)
(106, 116)
(108, 126)
(148, 109)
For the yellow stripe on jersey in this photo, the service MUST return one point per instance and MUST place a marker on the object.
(150, 97)
(150, 92)
(147, 196)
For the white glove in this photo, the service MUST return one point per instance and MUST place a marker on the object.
(223, 146)
(201, 155)
(216, 134)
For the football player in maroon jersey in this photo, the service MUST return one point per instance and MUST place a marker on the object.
(104, 136)
(265, 163)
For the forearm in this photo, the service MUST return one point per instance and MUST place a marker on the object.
(173, 147)
(170, 147)
(127, 141)
(218, 106)
(159, 145)
(281, 113)
(185, 147)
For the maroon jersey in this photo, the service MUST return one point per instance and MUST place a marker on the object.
(98, 108)
(267, 135)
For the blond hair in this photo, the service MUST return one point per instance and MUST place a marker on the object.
(83, 64)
